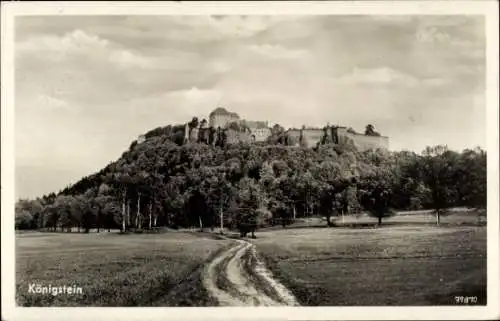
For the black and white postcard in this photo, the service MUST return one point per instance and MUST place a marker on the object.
(250, 160)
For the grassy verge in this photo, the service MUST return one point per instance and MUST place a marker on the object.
(386, 266)
(115, 270)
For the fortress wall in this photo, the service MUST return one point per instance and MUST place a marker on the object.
(313, 136)
(231, 136)
(295, 134)
(342, 131)
(254, 123)
(193, 135)
(364, 142)
(244, 137)
(261, 134)
(234, 137)
(371, 142)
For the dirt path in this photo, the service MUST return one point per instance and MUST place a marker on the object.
(237, 277)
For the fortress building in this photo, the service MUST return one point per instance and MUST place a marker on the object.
(220, 117)
(241, 130)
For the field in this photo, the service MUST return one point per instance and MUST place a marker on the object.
(406, 261)
(404, 264)
(455, 217)
(114, 270)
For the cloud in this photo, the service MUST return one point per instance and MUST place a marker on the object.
(434, 82)
(177, 106)
(89, 69)
(74, 41)
(277, 51)
(194, 29)
(80, 43)
(127, 59)
(463, 33)
(47, 102)
(87, 86)
(433, 35)
(392, 19)
(378, 76)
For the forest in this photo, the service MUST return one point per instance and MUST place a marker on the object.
(166, 182)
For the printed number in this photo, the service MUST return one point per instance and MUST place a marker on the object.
(466, 299)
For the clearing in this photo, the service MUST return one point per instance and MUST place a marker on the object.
(406, 261)
(115, 270)
(378, 266)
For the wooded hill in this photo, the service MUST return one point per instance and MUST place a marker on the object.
(164, 181)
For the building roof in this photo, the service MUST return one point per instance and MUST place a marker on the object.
(255, 124)
(219, 111)
(223, 111)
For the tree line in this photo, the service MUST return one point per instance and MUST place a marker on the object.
(165, 182)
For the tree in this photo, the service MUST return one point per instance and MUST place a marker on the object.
(159, 182)
(351, 130)
(111, 210)
(309, 189)
(88, 217)
(175, 202)
(437, 168)
(410, 191)
(277, 135)
(29, 214)
(140, 185)
(347, 200)
(78, 207)
(23, 219)
(219, 195)
(376, 190)
(153, 185)
(277, 129)
(36, 210)
(332, 184)
(370, 131)
(245, 214)
(122, 182)
(193, 123)
(471, 177)
(52, 216)
(65, 206)
(285, 196)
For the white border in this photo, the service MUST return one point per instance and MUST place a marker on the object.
(9, 10)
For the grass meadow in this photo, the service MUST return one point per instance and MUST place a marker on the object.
(406, 261)
(455, 217)
(114, 270)
(412, 263)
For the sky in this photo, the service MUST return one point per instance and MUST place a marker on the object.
(87, 86)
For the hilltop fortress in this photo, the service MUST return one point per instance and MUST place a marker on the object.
(227, 126)
(259, 131)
